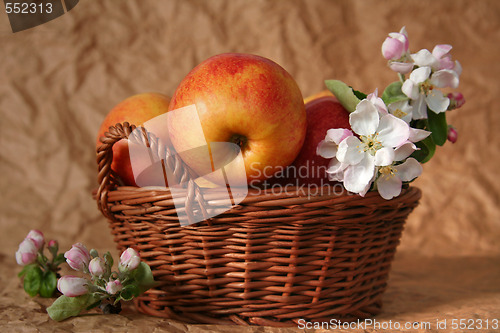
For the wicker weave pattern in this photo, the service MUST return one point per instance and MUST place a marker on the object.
(271, 260)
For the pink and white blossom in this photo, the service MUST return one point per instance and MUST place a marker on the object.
(395, 49)
(97, 267)
(72, 286)
(78, 257)
(457, 100)
(113, 287)
(396, 45)
(129, 260)
(421, 89)
(27, 252)
(37, 237)
(358, 156)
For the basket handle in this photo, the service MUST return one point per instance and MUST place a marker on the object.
(107, 178)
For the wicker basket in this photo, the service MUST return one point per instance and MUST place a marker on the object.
(271, 260)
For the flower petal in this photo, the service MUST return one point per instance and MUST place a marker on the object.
(410, 89)
(389, 186)
(420, 108)
(378, 102)
(364, 120)
(457, 68)
(437, 102)
(384, 156)
(326, 149)
(424, 58)
(420, 74)
(349, 151)
(417, 135)
(358, 177)
(409, 170)
(337, 134)
(336, 170)
(401, 67)
(445, 78)
(403, 151)
(441, 50)
(392, 131)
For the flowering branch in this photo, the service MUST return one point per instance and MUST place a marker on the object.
(105, 288)
(39, 273)
(395, 133)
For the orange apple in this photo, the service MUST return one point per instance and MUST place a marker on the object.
(323, 113)
(136, 110)
(243, 99)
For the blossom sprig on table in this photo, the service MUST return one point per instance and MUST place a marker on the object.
(393, 134)
(102, 287)
(39, 273)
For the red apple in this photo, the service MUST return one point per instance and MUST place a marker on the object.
(323, 113)
(244, 99)
(136, 110)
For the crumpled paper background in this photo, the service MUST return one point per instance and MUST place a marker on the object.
(58, 80)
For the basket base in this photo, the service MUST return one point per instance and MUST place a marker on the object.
(150, 308)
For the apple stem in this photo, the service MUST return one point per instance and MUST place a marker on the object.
(240, 140)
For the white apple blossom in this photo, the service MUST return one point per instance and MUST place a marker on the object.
(402, 110)
(391, 177)
(357, 157)
(421, 89)
(376, 150)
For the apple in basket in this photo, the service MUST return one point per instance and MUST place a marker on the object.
(246, 100)
(324, 112)
(136, 110)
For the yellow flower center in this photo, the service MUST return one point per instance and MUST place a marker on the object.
(399, 113)
(370, 143)
(427, 87)
(387, 171)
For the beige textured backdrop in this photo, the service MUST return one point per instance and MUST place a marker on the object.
(58, 80)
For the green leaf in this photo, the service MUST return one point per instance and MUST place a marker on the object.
(48, 285)
(361, 96)
(393, 93)
(26, 269)
(65, 307)
(438, 126)
(426, 151)
(33, 281)
(129, 292)
(143, 277)
(344, 94)
(108, 259)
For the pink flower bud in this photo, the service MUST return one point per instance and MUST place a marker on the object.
(452, 134)
(77, 257)
(112, 287)
(37, 237)
(395, 46)
(456, 100)
(72, 286)
(97, 267)
(27, 252)
(129, 260)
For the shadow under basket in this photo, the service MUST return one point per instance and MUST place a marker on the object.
(271, 260)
